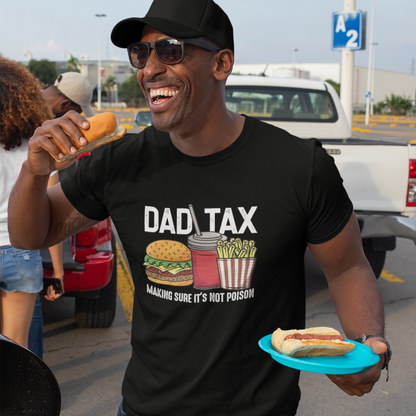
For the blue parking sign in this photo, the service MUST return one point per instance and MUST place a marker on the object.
(347, 30)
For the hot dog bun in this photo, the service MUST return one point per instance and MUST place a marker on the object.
(310, 347)
(103, 129)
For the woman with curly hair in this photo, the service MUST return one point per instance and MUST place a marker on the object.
(22, 110)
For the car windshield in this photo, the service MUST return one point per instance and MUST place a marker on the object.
(281, 103)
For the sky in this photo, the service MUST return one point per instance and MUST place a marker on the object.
(265, 31)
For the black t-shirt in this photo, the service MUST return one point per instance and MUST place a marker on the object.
(195, 347)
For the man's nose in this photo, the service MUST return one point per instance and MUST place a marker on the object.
(153, 65)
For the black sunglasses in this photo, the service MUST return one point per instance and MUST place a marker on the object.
(169, 51)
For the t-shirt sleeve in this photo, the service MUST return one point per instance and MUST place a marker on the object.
(329, 207)
(85, 188)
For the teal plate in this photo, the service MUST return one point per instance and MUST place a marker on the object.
(353, 362)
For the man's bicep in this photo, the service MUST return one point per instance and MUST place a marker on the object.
(342, 253)
(66, 220)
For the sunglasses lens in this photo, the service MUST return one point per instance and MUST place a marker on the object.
(138, 55)
(169, 51)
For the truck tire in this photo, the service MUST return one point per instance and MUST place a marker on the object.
(376, 258)
(99, 312)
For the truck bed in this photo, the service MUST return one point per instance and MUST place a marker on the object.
(375, 172)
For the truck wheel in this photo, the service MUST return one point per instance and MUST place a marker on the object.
(99, 312)
(376, 258)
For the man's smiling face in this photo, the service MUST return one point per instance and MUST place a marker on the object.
(178, 95)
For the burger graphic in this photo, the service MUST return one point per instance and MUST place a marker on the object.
(169, 263)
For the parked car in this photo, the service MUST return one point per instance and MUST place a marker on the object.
(89, 260)
(143, 118)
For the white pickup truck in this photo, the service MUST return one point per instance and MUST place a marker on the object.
(380, 176)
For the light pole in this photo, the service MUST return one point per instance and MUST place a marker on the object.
(294, 62)
(370, 58)
(347, 73)
(372, 81)
(99, 64)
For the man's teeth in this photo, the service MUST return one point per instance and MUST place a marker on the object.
(162, 93)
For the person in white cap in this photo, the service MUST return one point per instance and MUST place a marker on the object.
(71, 91)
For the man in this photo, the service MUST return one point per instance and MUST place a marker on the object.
(202, 175)
(71, 91)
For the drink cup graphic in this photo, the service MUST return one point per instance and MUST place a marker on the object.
(235, 274)
(203, 248)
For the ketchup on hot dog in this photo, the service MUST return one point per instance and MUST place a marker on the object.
(302, 337)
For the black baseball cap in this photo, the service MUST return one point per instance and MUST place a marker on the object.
(183, 19)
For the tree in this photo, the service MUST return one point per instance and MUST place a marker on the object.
(130, 92)
(73, 64)
(336, 86)
(43, 70)
(379, 108)
(398, 105)
(109, 85)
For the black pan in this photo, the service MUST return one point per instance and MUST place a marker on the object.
(27, 385)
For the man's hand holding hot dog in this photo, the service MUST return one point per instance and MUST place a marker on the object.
(39, 161)
(69, 136)
(361, 383)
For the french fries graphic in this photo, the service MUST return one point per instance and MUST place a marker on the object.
(236, 261)
(236, 249)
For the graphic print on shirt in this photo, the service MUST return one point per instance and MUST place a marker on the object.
(169, 263)
(209, 261)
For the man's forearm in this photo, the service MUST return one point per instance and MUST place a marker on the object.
(29, 211)
(359, 302)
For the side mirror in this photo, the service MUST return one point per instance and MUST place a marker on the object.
(27, 385)
(144, 119)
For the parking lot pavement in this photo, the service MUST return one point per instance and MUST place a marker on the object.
(89, 364)
(391, 128)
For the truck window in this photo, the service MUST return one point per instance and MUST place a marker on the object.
(281, 103)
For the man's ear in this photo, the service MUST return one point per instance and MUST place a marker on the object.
(224, 62)
(64, 104)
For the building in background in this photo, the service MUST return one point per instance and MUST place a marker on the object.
(120, 70)
(385, 82)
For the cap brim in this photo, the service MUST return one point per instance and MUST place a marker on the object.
(130, 30)
(88, 111)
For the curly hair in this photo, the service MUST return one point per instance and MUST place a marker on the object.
(22, 107)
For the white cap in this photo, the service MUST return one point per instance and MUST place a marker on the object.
(77, 88)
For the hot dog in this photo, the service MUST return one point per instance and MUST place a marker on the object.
(310, 342)
(103, 129)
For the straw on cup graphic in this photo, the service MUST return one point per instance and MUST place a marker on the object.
(203, 246)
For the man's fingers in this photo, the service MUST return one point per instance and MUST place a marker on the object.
(351, 384)
(378, 347)
(38, 145)
(56, 138)
(49, 144)
(65, 131)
